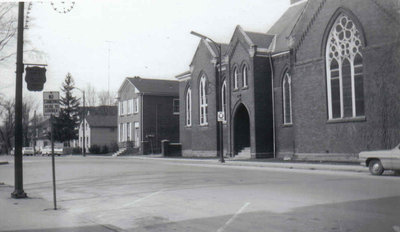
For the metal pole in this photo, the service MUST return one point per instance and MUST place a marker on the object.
(220, 141)
(19, 190)
(219, 93)
(34, 135)
(53, 162)
(84, 125)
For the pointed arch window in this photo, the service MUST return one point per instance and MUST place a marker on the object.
(189, 107)
(235, 78)
(344, 62)
(203, 102)
(244, 76)
(287, 99)
(223, 99)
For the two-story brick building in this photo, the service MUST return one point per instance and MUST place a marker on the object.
(322, 81)
(148, 113)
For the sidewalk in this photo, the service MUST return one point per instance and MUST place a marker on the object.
(267, 163)
(37, 214)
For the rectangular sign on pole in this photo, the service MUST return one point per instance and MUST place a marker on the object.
(221, 116)
(51, 103)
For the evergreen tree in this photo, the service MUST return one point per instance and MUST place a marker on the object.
(66, 124)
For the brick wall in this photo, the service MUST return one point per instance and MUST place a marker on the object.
(159, 120)
(312, 131)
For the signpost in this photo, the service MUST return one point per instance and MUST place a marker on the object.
(51, 107)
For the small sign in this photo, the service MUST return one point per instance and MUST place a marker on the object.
(51, 103)
(221, 116)
(35, 78)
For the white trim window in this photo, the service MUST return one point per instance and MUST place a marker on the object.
(121, 108)
(245, 76)
(223, 99)
(128, 131)
(137, 105)
(344, 65)
(121, 126)
(189, 107)
(203, 102)
(125, 129)
(137, 134)
(133, 105)
(287, 99)
(235, 78)
(129, 107)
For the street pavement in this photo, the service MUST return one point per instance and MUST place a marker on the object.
(157, 194)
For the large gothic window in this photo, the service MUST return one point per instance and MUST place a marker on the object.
(189, 107)
(287, 99)
(344, 70)
(223, 99)
(203, 101)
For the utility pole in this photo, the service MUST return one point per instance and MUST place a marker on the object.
(18, 187)
(108, 72)
(84, 125)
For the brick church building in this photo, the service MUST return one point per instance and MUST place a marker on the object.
(323, 81)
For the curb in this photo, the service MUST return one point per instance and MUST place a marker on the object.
(3, 162)
(289, 165)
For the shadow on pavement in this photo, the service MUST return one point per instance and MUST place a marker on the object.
(95, 228)
(354, 216)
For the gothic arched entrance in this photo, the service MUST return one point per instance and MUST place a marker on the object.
(241, 129)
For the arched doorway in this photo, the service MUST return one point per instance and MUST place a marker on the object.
(241, 129)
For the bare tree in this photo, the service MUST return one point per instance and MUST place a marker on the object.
(91, 95)
(106, 98)
(8, 28)
(7, 123)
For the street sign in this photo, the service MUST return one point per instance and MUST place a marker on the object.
(35, 78)
(51, 103)
(221, 116)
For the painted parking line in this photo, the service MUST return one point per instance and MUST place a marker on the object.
(233, 217)
(143, 198)
(396, 228)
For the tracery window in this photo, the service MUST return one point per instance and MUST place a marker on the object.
(344, 62)
(287, 98)
(203, 102)
(189, 107)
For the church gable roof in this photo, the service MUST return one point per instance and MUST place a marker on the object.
(259, 39)
(283, 28)
(248, 40)
(211, 48)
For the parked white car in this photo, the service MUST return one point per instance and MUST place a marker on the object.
(47, 150)
(28, 151)
(379, 161)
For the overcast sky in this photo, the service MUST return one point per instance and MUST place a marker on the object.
(148, 38)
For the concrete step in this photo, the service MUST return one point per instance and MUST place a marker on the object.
(244, 154)
(119, 152)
